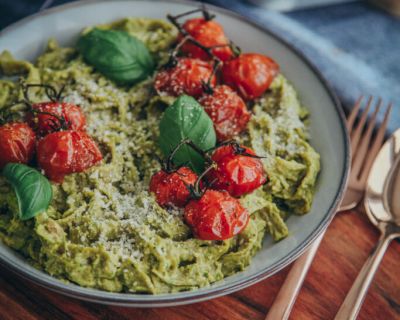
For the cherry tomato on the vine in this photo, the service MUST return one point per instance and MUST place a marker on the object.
(186, 77)
(44, 123)
(171, 189)
(227, 110)
(208, 33)
(238, 174)
(64, 152)
(17, 143)
(250, 74)
(216, 216)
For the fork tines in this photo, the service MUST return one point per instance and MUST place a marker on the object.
(362, 140)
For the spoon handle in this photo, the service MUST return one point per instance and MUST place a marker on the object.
(284, 301)
(354, 299)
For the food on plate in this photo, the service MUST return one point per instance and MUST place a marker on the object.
(227, 110)
(171, 188)
(17, 143)
(46, 115)
(238, 170)
(65, 152)
(216, 215)
(251, 74)
(170, 185)
(119, 56)
(149, 156)
(208, 33)
(32, 189)
(184, 76)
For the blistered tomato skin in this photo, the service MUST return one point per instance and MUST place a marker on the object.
(170, 189)
(208, 33)
(186, 77)
(250, 74)
(216, 216)
(65, 152)
(44, 123)
(235, 173)
(227, 110)
(17, 143)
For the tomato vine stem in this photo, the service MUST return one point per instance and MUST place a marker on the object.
(196, 191)
(237, 149)
(206, 14)
(188, 38)
(54, 96)
(168, 164)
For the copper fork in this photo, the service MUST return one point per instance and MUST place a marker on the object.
(364, 149)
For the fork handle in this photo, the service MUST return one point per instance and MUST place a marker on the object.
(284, 301)
(355, 297)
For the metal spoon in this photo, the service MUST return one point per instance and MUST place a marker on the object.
(382, 203)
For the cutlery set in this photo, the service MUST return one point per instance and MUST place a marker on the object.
(374, 177)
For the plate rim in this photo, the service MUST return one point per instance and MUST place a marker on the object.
(171, 299)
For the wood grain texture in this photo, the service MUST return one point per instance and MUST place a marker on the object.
(342, 253)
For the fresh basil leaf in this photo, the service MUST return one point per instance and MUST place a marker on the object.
(33, 190)
(186, 118)
(116, 54)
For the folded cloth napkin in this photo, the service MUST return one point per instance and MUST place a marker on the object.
(355, 46)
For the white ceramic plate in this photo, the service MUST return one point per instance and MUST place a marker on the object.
(27, 38)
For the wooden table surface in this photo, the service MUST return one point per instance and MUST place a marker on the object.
(346, 246)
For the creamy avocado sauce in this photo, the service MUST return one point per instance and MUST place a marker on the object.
(103, 229)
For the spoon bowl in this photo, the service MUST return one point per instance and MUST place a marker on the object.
(383, 183)
(392, 192)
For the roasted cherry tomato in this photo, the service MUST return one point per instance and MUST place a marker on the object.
(236, 173)
(45, 123)
(186, 77)
(250, 74)
(64, 152)
(171, 189)
(216, 216)
(208, 33)
(227, 110)
(17, 143)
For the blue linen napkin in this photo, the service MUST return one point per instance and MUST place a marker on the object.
(355, 46)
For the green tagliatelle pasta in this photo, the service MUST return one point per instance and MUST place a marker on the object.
(103, 229)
